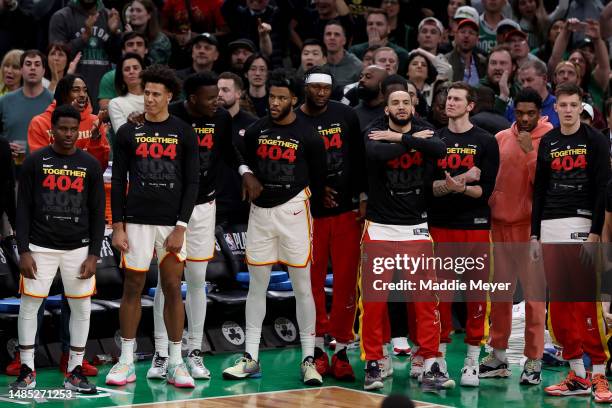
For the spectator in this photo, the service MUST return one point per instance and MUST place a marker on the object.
(239, 51)
(72, 90)
(343, 65)
(17, 108)
(592, 79)
(311, 22)
(142, 17)
(429, 38)
(372, 101)
(350, 96)
(587, 116)
(313, 53)
(500, 77)
(533, 74)
(544, 51)
(449, 19)
(423, 74)
(88, 27)
(503, 28)
(584, 11)
(128, 86)
(256, 69)
(368, 56)
(400, 34)
(484, 114)
(519, 49)
(204, 16)
(57, 58)
(204, 54)
(492, 15)
(387, 59)
(131, 42)
(534, 20)
(437, 115)
(468, 65)
(378, 34)
(10, 72)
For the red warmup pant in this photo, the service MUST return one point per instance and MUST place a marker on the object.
(477, 327)
(511, 264)
(339, 237)
(374, 329)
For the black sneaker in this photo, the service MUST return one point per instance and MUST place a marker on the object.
(435, 380)
(26, 379)
(491, 367)
(77, 382)
(373, 378)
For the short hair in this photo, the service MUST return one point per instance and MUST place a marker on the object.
(500, 48)
(251, 59)
(314, 41)
(131, 35)
(382, 49)
(372, 48)
(485, 97)
(318, 69)
(161, 74)
(120, 85)
(282, 78)
(393, 80)
(570, 63)
(608, 106)
(197, 80)
(528, 95)
(377, 11)
(397, 401)
(65, 111)
(539, 67)
(32, 53)
(63, 88)
(238, 82)
(568, 89)
(335, 22)
(471, 92)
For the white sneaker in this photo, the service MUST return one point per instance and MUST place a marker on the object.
(179, 376)
(469, 373)
(386, 367)
(416, 367)
(195, 364)
(310, 375)
(159, 367)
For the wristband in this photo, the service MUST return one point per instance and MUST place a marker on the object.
(243, 168)
(181, 224)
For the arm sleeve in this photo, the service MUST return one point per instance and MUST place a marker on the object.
(490, 166)
(96, 203)
(381, 150)
(316, 157)
(601, 173)
(191, 171)
(433, 146)
(38, 137)
(24, 206)
(119, 177)
(542, 175)
(359, 177)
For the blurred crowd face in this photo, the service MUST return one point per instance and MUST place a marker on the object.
(569, 108)
(312, 55)
(529, 78)
(417, 69)
(438, 109)
(136, 45)
(527, 8)
(579, 59)
(466, 38)
(32, 70)
(527, 116)
(429, 37)
(368, 59)
(499, 62)
(257, 5)
(238, 58)
(452, 7)
(392, 7)
(11, 74)
(57, 59)
(554, 31)
(379, 23)
(138, 16)
(387, 60)
(228, 93)
(334, 38)
(457, 104)
(325, 7)
(204, 54)
(518, 46)
(567, 74)
(258, 73)
(131, 70)
(493, 6)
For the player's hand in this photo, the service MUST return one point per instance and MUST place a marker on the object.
(120, 238)
(361, 212)
(423, 134)
(174, 241)
(387, 135)
(457, 186)
(251, 187)
(137, 118)
(524, 140)
(535, 250)
(27, 265)
(329, 198)
(88, 267)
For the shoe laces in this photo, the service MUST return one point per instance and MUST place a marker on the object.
(118, 367)
(160, 362)
(531, 365)
(198, 361)
(489, 358)
(600, 383)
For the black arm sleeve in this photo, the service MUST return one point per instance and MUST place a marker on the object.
(317, 166)
(490, 166)
(359, 177)
(433, 146)
(119, 177)
(24, 205)
(600, 171)
(540, 184)
(96, 203)
(191, 170)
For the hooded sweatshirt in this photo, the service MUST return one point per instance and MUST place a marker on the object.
(512, 197)
(39, 134)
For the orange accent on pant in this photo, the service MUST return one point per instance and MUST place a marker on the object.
(337, 236)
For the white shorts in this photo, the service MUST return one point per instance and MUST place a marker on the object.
(143, 240)
(201, 233)
(69, 262)
(572, 229)
(280, 234)
(387, 232)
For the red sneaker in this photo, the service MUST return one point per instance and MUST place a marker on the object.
(321, 360)
(341, 367)
(601, 389)
(571, 385)
(14, 367)
(87, 369)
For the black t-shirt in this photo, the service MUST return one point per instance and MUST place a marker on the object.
(609, 196)
(214, 142)
(162, 161)
(285, 159)
(261, 105)
(338, 127)
(476, 147)
(367, 114)
(60, 202)
(572, 173)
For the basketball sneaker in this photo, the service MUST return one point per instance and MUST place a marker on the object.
(179, 376)
(121, 374)
(401, 346)
(492, 367)
(601, 389)
(469, 373)
(386, 367)
(244, 367)
(435, 380)
(532, 372)
(87, 369)
(341, 367)
(26, 380)
(195, 363)
(14, 367)
(571, 385)
(77, 382)
(310, 375)
(321, 360)
(159, 367)
(416, 366)
(373, 379)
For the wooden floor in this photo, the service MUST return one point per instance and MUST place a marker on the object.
(324, 397)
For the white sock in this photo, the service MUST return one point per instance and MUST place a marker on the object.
(428, 363)
(500, 354)
(195, 303)
(256, 307)
(473, 353)
(320, 342)
(75, 358)
(127, 351)
(160, 335)
(442, 349)
(80, 312)
(400, 343)
(305, 311)
(577, 365)
(599, 369)
(174, 354)
(339, 347)
(27, 357)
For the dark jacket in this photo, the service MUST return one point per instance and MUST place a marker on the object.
(454, 58)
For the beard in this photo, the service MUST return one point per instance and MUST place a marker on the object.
(282, 115)
(399, 122)
(367, 94)
(228, 104)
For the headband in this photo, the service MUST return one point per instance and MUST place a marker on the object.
(319, 78)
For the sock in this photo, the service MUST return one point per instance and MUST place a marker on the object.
(195, 303)
(339, 347)
(442, 349)
(160, 335)
(256, 307)
(27, 357)
(75, 359)
(305, 311)
(400, 343)
(473, 353)
(320, 342)
(577, 365)
(500, 354)
(427, 364)
(599, 369)
(175, 357)
(127, 351)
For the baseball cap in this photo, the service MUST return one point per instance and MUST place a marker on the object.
(433, 20)
(588, 109)
(206, 37)
(467, 12)
(585, 42)
(507, 23)
(515, 32)
(468, 22)
(242, 43)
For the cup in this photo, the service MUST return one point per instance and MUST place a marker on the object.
(21, 153)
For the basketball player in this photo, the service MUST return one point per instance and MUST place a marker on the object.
(161, 157)
(60, 223)
(288, 158)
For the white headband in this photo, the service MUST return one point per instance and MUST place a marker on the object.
(319, 79)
